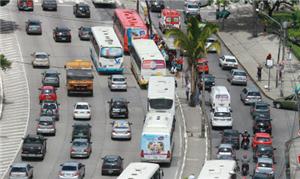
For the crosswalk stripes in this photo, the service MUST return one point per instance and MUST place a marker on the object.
(15, 113)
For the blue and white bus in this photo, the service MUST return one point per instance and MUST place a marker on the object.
(106, 50)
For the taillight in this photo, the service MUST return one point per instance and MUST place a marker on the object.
(77, 174)
(72, 150)
(68, 33)
(142, 153)
(169, 154)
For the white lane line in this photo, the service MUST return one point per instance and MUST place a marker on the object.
(185, 141)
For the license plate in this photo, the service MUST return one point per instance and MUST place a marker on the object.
(110, 171)
(64, 38)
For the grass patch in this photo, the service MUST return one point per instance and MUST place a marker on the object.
(295, 50)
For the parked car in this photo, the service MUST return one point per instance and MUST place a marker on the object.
(117, 82)
(265, 165)
(231, 136)
(156, 5)
(50, 107)
(237, 77)
(47, 93)
(228, 62)
(46, 125)
(34, 146)
(121, 129)
(50, 78)
(202, 65)
(49, 5)
(209, 81)
(263, 151)
(225, 149)
(82, 110)
(81, 148)
(209, 45)
(118, 108)
(221, 117)
(288, 102)
(191, 9)
(82, 130)
(250, 95)
(21, 170)
(84, 33)
(40, 59)
(81, 10)
(259, 107)
(34, 27)
(72, 169)
(261, 138)
(62, 34)
(112, 165)
(261, 126)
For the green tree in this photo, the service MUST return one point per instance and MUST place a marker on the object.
(4, 63)
(192, 43)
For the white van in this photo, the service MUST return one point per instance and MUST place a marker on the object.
(161, 94)
(219, 96)
(222, 169)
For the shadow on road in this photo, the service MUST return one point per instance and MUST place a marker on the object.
(7, 27)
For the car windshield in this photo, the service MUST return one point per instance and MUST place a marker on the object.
(32, 140)
(192, 6)
(262, 107)
(253, 94)
(211, 40)
(45, 123)
(79, 143)
(69, 168)
(41, 56)
(49, 106)
(18, 169)
(82, 106)
(265, 152)
(267, 165)
(231, 133)
(119, 79)
(63, 30)
(50, 75)
(227, 150)
(34, 23)
(121, 125)
(83, 7)
(161, 103)
(88, 29)
(230, 60)
(47, 91)
(111, 159)
(262, 139)
(239, 73)
(222, 114)
(209, 78)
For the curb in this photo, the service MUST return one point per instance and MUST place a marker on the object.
(241, 64)
(1, 95)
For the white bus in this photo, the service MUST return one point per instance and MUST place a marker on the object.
(106, 50)
(142, 170)
(161, 94)
(146, 60)
(218, 169)
(105, 2)
(157, 138)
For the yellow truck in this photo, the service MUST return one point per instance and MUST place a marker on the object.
(79, 77)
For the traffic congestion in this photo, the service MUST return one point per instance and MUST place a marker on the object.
(104, 105)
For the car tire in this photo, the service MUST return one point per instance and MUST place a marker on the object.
(277, 105)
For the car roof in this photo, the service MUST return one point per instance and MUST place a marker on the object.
(41, 53)
(112, 156)
(225, 146)
(22, 164)
(62, 28)
(259, 103)
(222, 109)
(121, 123)
(264, 160)
(117, 76)
(262, 134)
(262, 147)
(229, 56)
(71, 163)
(82, 103)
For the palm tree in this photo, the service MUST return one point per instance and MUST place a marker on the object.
(192, 43)
(4, 63)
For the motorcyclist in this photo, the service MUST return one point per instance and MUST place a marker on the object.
(245, 137)
(245, 164)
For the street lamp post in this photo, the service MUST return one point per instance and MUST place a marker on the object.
(255, 17)
(284, 26)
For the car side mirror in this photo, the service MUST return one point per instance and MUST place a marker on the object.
(91, 142)
(71, 141)
(230, 110)
(274, 148)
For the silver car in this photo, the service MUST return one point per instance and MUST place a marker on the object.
(46, 125)
(225, 149)
(121, 129)
(237, 77)
(81, 148)
(117, 82)
(71, 170)
(265, 165)
(191, 8)
(40, 59)
(21, 171)
(250, 95)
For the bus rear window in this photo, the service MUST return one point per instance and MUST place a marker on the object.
(154, 64)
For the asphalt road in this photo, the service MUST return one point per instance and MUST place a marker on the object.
(58, 147)
(282, 123)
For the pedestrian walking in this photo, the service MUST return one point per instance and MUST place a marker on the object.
(187, 90)
(186, 77)
(192, 176)
(259, 68)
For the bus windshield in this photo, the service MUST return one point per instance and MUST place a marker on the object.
(161, 103)
(111, 52)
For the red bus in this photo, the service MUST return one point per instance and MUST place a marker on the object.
(128, 25)
(25, 5)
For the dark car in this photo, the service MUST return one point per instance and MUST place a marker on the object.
(156, 5)
(118, 108)
(263, 151)
(258, 175)
(112, 165)
(84, 33)
(288, 102)
(51, 108)
(259, 107)
(34, 146)
(231, 136)
(209, 81)
(62, 34)
(34, 27)
(81, 10)
(82, 130)
(49, 5)
(50, 78)
(260, 125)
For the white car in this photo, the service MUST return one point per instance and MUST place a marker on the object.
(40, 59)
(228, 62)
(117, 82)
(221, 117)
(82, 110)
(21, 170)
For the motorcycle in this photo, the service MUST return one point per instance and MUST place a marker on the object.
(245, 143)
(245, 169)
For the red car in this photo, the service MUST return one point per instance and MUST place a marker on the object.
(47, 93)
(202, 65)
(261, 138)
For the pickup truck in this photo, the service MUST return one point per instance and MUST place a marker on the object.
(34, 146)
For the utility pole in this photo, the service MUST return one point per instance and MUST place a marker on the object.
(138, 6)
(284, 25)
(255, 18)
